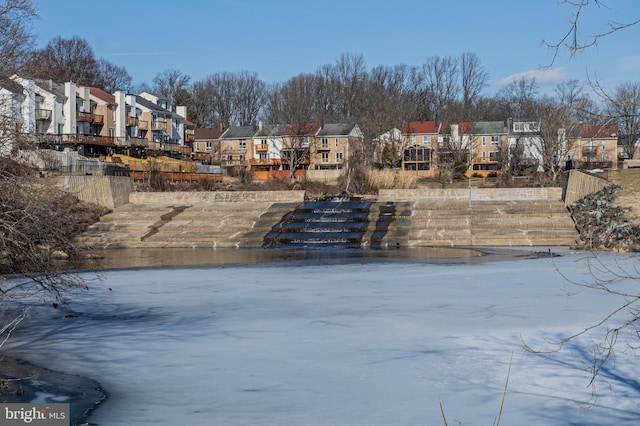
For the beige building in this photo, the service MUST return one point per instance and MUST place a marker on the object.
(489, 142)
(333, 144)
(595, 147)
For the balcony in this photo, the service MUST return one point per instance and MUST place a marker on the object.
(262, 147)
(143, 125)
(84, 117)
(265, 162)
(189, 137)
(43, 114)
(132, 121)
(97, 119)
(324, 147)
(589, 151)
(158, 125)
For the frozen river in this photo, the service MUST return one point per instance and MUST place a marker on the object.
(335, 341)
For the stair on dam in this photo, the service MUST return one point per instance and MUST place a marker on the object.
(420, 222)
(210, 225)
(429, 222)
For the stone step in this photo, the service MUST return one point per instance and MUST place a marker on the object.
(414, 223)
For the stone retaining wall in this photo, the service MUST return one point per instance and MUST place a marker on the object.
(580, 185)
(471, 194)
(106, 191)
(216, 196)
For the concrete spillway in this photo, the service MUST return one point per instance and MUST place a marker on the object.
(408, 219)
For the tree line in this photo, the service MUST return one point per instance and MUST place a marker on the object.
(443, 88)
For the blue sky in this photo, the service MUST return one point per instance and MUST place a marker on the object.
(279, 39)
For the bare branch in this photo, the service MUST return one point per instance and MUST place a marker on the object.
(571, 40)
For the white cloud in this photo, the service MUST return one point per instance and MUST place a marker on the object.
(542, 76)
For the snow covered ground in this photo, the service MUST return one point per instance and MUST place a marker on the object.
(343, 343)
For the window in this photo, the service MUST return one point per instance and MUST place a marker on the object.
(337, 142)
(112, 132)
(495, 139)
(325, 157)
(604, 144)
(426, 140)
(413, 139)
(208, 145)
(484, 155)
(243, 144)
(229, 157)
(325, 143)
(241, 157)
(230, 144)
(494, 156)
(606, 157)
(262, 156)
(484, 141)
(339, 157)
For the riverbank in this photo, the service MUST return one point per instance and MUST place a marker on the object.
(23, 382)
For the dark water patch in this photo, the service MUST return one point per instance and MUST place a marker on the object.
(135, 258)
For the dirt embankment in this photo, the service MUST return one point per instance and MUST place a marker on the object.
(629, 196)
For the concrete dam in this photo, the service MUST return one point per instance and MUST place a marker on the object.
(512, 217)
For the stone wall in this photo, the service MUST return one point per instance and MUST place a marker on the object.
(106, 191)
(216, 196)
(580, 185)
(471, 194)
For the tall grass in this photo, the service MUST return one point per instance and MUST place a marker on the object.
(388, 179)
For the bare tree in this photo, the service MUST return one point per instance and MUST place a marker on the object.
(442, 84)
(16, 38)
(250, 93)
(112, 77)
(571, 39)
(65, 60)
(293, 101)
(172, 84)
(623, 108)
(297, 145)
(552, 143)
(327, 93)
(228, 98)
(473, 79)
(390, 99)
(571, 93)
(519, 97)
(350, 75)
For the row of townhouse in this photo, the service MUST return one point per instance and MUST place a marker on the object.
(279, 150)
(429, 145)
(96, 122)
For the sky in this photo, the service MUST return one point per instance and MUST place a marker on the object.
(344, 343)
(279, 39)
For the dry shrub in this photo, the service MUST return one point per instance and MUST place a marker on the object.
(388, 179)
